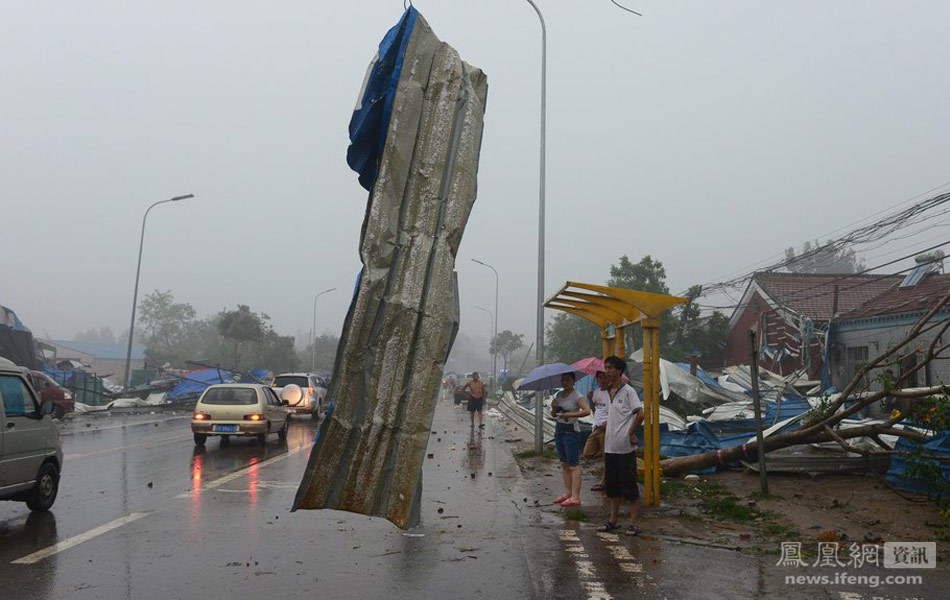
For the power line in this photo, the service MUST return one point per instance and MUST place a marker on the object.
(845, 277)
(869, 233)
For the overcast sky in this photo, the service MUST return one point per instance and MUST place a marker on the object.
(710, 135)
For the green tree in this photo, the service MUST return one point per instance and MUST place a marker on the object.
(569, 338)
(167, 325)
(647, 275)
(325, 356)
(823, 259)
(505, 343)
(241, 328)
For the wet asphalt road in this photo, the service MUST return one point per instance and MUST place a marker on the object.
(216, 522)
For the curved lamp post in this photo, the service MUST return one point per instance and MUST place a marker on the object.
(491, 327)
(135, 294)
(313, 331)
(494, 355)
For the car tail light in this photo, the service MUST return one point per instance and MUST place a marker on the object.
(202, 416)
(254, 417)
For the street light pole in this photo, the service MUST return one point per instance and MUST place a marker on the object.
(494, 355)
(539, 339)
(135, 294)
(491, 327)
(313, 331)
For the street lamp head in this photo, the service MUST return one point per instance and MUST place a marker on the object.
(185, 197)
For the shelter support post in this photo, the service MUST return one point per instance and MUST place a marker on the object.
(651, 411)
(621, 336)
(606, 340)
(655, 355)
(647, 418)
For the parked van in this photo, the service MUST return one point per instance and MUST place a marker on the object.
(30, 453)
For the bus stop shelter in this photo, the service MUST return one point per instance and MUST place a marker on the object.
(613, 310)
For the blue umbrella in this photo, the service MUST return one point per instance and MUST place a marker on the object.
(547, 377)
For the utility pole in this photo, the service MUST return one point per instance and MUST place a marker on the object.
(756, 403)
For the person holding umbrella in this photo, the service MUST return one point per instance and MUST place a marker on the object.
(566, 408)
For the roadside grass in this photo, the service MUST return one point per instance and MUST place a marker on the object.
(726, 508)
(548, 453)
(576, 514)
(776, 530)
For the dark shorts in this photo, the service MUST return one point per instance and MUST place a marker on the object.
(476, 404)
(620, 476)
(568, 444)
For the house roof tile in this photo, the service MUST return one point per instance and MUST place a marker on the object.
(813, 295)
(896, 301)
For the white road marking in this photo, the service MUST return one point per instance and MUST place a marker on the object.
(76, 539)
(239, 473)
(850, 596)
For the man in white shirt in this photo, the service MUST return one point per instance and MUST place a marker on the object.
(598, 400)
(624, 416)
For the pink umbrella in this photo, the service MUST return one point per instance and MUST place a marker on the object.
(590, 366)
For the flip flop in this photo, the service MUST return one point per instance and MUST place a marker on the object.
(609, 527)
(632, 530)
(560, 499)
(569, 503)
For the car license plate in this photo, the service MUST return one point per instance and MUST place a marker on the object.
(225, 428)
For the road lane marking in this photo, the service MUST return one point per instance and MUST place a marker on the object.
(586, 571)
(239, 473)
(76, 539)
(161, 442)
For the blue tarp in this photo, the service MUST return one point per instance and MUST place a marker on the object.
(195, 382)
(9, 318)
(938, 447)
(791, 406)
(254, 376)
(370, 120)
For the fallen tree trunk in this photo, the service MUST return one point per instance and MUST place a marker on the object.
(749, 451)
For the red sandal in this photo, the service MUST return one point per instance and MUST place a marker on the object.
(560, 499)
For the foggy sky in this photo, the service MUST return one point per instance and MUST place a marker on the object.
(711, 135)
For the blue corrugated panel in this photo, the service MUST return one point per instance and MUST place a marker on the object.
(370, 120)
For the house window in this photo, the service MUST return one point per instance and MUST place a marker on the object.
(856, 354)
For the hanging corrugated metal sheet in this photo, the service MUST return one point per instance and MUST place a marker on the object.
(368, 454)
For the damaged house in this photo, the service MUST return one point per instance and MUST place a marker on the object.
(791, 312)
(868, 330)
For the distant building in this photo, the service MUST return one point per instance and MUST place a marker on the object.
(106, 360)
(790, 312)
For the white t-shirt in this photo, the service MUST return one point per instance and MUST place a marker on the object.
(601, 401)
(569, 403)
(621, 413)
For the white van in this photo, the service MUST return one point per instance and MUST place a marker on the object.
(30, 453)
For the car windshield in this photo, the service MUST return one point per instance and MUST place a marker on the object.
(230, 396)
(284, 380)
